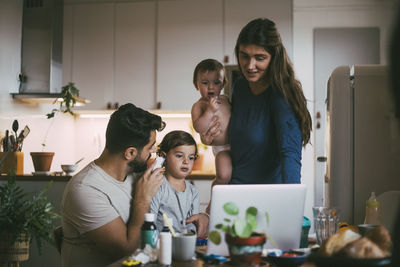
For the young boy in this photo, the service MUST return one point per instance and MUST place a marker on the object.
(209, 78)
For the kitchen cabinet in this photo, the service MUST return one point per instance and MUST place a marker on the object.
(188, 32)
(109, 52)
(90, 40)
(10, 47)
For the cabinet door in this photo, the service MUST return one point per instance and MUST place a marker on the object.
(89, 36)
(188, 32)
(10, 47)
(135, 30)
(238, 13)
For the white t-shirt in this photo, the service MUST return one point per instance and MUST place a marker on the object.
(91, 199)
(176, 205)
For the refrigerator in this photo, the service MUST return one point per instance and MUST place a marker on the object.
(362, 140)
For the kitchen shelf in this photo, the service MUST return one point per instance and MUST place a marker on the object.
(33, 178)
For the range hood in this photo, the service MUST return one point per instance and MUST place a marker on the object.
(41, 55)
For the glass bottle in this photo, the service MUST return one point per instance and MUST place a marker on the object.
(149, 231)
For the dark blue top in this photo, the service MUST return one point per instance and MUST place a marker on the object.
(265, 138)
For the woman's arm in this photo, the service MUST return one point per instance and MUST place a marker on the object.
(289, 139)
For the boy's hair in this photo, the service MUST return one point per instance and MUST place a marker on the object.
(208, 65)
(174, 139)
(131, 126)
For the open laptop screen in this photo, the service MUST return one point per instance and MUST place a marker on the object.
(284, 204)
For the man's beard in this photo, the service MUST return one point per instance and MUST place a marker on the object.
(137, 165)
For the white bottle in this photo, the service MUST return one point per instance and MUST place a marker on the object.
(165, 252)
(372, 210)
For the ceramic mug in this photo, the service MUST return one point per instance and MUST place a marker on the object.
(183, 247)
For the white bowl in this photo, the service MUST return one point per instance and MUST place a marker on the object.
(69, 168)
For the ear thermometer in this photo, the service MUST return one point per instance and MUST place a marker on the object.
(159, 162)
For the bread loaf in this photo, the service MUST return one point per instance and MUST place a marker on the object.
(380, 236)
(362, 248)
(337, 241)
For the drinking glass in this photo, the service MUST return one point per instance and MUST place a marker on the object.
(326, 221)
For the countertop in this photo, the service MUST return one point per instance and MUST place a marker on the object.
(195, 175)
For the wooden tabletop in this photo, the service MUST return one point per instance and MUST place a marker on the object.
(200, 263)
(195, 175)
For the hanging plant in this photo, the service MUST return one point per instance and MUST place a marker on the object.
(68, 96)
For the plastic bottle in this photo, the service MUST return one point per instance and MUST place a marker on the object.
(149, 231)
(372, 210)
(165, 252)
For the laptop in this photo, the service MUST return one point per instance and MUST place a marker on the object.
(283, 202)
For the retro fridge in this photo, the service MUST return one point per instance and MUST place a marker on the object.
(362, 139)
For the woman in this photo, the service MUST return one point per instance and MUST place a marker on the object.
(270, 122)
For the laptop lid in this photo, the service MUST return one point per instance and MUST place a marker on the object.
(283, 202)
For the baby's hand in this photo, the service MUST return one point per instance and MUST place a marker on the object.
(214, 104)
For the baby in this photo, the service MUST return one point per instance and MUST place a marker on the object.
(209, 78)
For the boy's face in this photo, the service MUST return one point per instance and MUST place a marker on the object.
(210, 83)
(180, 160)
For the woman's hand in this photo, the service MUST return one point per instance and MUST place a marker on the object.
(201, 221)
(213, 131)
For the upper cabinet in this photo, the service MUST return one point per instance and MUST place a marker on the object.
(10, 45)
(145, 52)
(109, 52)
(188, 32)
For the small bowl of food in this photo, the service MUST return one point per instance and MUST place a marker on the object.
(287, 258)
(69, 168)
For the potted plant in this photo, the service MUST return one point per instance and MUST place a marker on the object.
(22, 218)
(244, 243)
(67, 98)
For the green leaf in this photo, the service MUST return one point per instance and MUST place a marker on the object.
(267, 218)
(252, 220)
(219, 226)
(231, 208)
(251, 211)
(251, 217)
(215, 237)
(242, 228)
(227, 220)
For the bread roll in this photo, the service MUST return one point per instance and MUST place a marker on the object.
(337, 241)
(380, 236)
(362, 248)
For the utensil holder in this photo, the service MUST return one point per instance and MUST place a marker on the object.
(13, 162)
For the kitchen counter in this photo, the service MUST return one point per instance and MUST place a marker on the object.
(196, 175)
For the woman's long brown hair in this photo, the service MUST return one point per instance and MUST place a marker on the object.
(280, 73)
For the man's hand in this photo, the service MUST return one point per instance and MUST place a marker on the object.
(148, 185)
(201, 221)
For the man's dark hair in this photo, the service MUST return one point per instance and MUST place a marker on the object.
(131, 126)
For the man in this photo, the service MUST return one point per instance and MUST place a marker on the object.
(104, 204)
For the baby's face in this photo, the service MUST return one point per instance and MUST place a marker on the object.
(210, 83)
